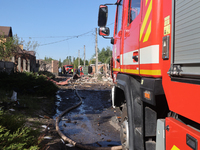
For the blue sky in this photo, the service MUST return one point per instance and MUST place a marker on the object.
(49, 21)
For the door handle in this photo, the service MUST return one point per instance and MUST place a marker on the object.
(117, 59)
(135, 56)
(127, 33)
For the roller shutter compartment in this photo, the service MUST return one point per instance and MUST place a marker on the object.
(186, 38)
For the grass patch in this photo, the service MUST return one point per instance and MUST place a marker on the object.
(47, 73)
(14, 135)
(27, 84)
(35, 95)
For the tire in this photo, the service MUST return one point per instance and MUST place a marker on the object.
(124, 129)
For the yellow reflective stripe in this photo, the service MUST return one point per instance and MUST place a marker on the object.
(175, 148)
(147, 33)
(150, 72)
(134, 71)
(130, 71)
(145, 19)
(116, 69)
(146, 2)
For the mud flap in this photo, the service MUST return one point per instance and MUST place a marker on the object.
(160, 134)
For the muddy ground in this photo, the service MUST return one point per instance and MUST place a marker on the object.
(102, 129)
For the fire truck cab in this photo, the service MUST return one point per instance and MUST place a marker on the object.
(68, 68)
(156, 71)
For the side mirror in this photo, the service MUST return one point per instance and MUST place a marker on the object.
(104, 31)
(103, 15)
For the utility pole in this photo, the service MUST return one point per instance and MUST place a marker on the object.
(78, 58)
(84, 55)
(96, 49)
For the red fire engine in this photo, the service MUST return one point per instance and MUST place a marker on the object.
(156, 71)
(68, 68)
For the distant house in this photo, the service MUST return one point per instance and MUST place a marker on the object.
(24, 60)
(51, 66)
(5, 34)
(6, 31)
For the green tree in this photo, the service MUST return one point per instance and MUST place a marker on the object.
(108, 55)
(92, 61)
(75, 64)
(67, 61)
(86, 62)
(9, 46)
(30, 45)
(48, 59)
(103, 56)
(59, 63)
(70, 59)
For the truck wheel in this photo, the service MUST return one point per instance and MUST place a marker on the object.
(124, 129)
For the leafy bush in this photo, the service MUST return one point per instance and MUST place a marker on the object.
(27, 83)
(47, 73)
(14, 135)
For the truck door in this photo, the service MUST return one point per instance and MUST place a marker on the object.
(117, 37)
(131, 38)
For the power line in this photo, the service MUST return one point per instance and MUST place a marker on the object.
(56, 41)
(70, 37)
(67, 38)
(46, 37)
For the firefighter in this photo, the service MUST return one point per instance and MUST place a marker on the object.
(60, 71)
(72, 70)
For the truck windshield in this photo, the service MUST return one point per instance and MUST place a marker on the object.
(69, 67)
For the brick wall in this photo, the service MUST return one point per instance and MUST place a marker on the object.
(101, 68)
(51, 67)
(54, 67)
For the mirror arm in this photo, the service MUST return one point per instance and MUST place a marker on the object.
(107, 37)
(112, 39)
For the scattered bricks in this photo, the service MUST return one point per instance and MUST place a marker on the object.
(46, 117)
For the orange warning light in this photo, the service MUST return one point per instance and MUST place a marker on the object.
(147, 95)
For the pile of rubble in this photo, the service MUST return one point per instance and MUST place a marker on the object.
(94, 79)
(90, 82)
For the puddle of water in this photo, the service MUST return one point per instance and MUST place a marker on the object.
(107, 144)
(85, 125)
(57, 103)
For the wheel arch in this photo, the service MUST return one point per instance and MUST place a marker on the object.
(129, 87)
